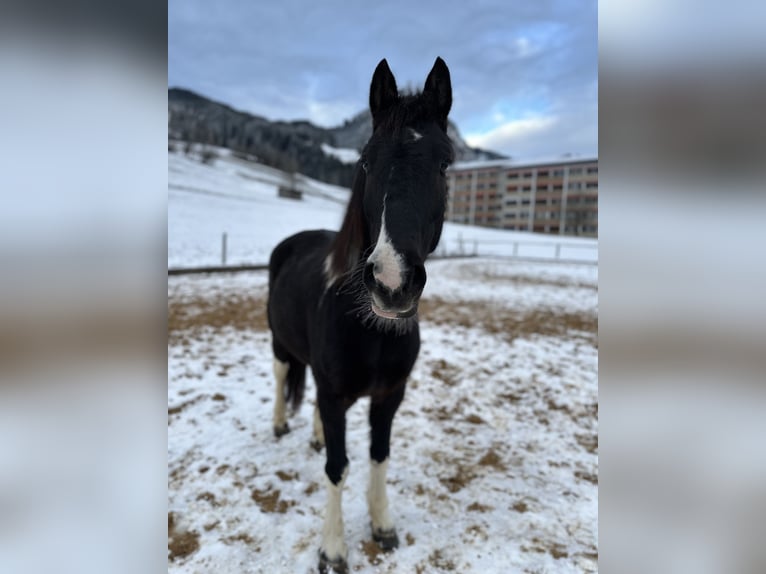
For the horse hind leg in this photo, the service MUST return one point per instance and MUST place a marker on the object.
(290, 375)
(317, 439)
(281, 369)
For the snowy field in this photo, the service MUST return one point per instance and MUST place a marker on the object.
(494, 458)
(239, 198)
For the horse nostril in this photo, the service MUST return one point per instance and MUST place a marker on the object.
(418, 277)
(376, 269)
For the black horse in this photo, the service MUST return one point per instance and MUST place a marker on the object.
(346, 303)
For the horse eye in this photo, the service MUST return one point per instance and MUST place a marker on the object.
(365, 165)
(443, 167)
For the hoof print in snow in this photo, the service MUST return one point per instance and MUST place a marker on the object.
(327, 566)
(386, 539)
(281, 431)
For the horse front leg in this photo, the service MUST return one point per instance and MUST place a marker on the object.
(381, 418)
(333, 552)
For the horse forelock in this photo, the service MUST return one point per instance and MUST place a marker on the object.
(410, 110)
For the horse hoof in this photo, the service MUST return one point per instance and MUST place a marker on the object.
(337, 565)
(281, 431)
(387, 540)
(316, 445)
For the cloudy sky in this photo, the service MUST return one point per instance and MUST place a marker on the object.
(524, 74)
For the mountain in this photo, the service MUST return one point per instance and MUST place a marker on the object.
(290, 146)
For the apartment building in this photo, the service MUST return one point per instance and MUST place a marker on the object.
(556, 196)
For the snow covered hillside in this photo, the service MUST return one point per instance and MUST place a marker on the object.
(239, 198)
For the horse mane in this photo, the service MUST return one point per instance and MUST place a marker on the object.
(352, 236)
(409, 109)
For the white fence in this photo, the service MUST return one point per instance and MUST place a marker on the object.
(521, 249)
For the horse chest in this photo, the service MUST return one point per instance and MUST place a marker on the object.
(364, 362)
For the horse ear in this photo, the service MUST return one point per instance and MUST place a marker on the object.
(438, 89)
(383, 90)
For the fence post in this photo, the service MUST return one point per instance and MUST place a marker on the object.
(460, 243)
(223, 249)
(515, 248)
(475, 247)
(558, 251)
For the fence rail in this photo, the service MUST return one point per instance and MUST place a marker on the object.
(464, 247)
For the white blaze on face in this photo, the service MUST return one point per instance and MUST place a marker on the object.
(388, 263)
(415, 135)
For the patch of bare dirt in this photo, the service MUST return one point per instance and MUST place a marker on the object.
(542, 547)
(588, 442)
(208, 497)
(241, 537)
(462, 477)
(372, 551)
(178, 408)
(475, 419)
(477, 507)
(269, 501)
(244, 313)
(286, 476)
(492, 459)
(445, 372)
(181, 543)
(510, 323)
(590, 477)
(311, 489)
(520, 506)
(440, 562)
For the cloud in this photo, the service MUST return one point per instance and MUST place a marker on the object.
(297, 60)
(513, 134)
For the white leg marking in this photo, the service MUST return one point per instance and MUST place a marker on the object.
(386, 259)
(318, 428)
(333, 543)
(377, 499)
(280, 374)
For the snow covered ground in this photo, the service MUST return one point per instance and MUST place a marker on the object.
(494, 450)
(239, 198)
(494, 461)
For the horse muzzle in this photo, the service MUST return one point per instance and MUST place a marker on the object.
(399, 303)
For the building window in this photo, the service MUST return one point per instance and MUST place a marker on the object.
(558, 173)
(575, 171)
(592, 170)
